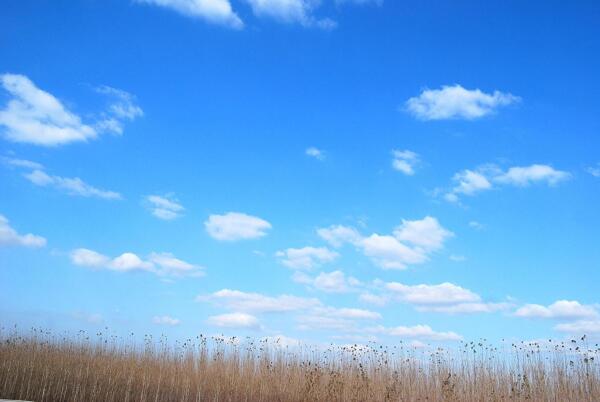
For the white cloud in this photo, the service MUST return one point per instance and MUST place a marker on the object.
(235, 320)
(36, 117)
(214, 11)
(315, 153)
(417, 331)
(282, 341)
(337, 319)
(337, 235)
(360, 2)
(258, 303)
(412, 243)
(388, 253)
(426, 233)
(306, 257)
(377, 300)
(166, 320)
(290, 12)
(466, 308)
(22, 163)
(405, 161)
(525, 175)
(456, 102)
(476, 225)
(71, 185)
(161, 264)
(582, 327)
(123, 107)
(561, 309)
(444, 293)
(470, 182)
(236, 226)
(594, 170)
(457, 258)
(164, 207)
(329, 282)
(10, 237)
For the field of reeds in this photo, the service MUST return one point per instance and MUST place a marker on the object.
(41, 366)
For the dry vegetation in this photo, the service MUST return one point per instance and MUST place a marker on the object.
(44, 367)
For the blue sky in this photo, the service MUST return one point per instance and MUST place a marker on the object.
(334, 171)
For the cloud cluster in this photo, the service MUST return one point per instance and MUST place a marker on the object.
(306, 257)
(10, 237)
(456, 102)
(405, 161)
(35, 116)
(234, 226)
(161, 264)
(470, 182)
(164, 207)
(411, 243)
(561, 309)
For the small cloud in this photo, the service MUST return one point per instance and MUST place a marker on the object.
(291, 12)
(164, 207)
(234, 226)
(457, 258)
(418, 332)
(213, 11)
(258, 303)
(315, 153)
(561, 309)
(123, 107)
(476, 225)
(22, 163)
(328, 282)
(165, 320)
(523, 176)
(456, 102)
(306, 257)
(405, 161)
(234, 320)
(10, 237)
(70, 185)
(594, 170)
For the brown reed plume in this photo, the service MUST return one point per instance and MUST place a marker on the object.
(45, 367)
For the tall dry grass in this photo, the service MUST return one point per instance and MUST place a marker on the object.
(45, 367)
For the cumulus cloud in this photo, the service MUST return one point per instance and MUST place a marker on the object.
(10, 237)
(329, 282)
(405, 161)
(213, 11)
(164, 207)
(315, 153)
(291, 12)
(417, 331)
(235, 226)
(470, 182)
(161, 264)
(70, 185)
(525, 175)
(337, 319)
(166, 320)
(258, 303)
(235, 320)
(581, 327)
(411, 243)
(456, 102)
(444, 293)
(37, 117)
(306, 257)
(561, 309)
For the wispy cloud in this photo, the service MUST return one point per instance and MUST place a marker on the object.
(122, 107)
(166, 320)
(306, 257)
(471, 182)
(165, 207)
(234, 226)
(405, 161)
(456, 102)
(291, 12)
(213, 11)
(70, 185)
(10, 237)
(315, 153)
(161, 264)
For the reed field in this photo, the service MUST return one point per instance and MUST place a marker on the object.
(41, 366)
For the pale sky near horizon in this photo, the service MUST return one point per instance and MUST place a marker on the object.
(328, 171)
